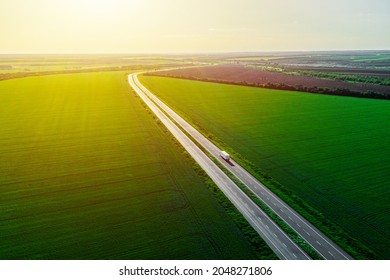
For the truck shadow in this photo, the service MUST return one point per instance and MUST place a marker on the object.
(230, 163)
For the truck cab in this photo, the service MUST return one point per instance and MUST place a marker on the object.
(224, 155)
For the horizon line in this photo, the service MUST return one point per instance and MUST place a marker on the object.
(193, 52)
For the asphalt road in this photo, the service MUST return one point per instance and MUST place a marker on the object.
(278, 241)
(321, 243)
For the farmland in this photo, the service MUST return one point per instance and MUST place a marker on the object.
(87, 173)
(278, 78)
(330, 151)
(333, 60)
(19, 66)
(40, 63)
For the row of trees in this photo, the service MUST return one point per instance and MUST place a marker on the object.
(354, 78)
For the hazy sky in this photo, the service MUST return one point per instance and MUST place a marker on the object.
(83, 26)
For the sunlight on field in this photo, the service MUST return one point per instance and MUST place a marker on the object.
(250, 58)
(84, 164)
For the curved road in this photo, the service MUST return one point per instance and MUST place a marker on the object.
(278, 241)
(321, 243)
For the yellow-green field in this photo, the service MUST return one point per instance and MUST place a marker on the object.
(87, 173)
(11, 64)
(332, 152)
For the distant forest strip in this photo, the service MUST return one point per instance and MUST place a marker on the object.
(245, 76)
(354, 78)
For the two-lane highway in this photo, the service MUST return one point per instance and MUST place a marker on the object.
(321, 243)
(278, 241)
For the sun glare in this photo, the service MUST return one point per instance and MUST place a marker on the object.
(94, 7)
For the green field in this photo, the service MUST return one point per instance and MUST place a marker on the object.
(333, 152)
(368, 58)
(86, 173)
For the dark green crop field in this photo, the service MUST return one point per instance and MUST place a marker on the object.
(86, 173)
(333, 152)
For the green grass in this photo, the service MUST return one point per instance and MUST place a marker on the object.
(331, 152)
(86, 173)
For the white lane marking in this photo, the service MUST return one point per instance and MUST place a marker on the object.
(318, 243)
(284, 244)
(274, 245)
(330, 253)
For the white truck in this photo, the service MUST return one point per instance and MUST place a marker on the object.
(224, 155)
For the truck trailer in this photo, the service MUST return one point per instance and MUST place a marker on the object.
(224, 155)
